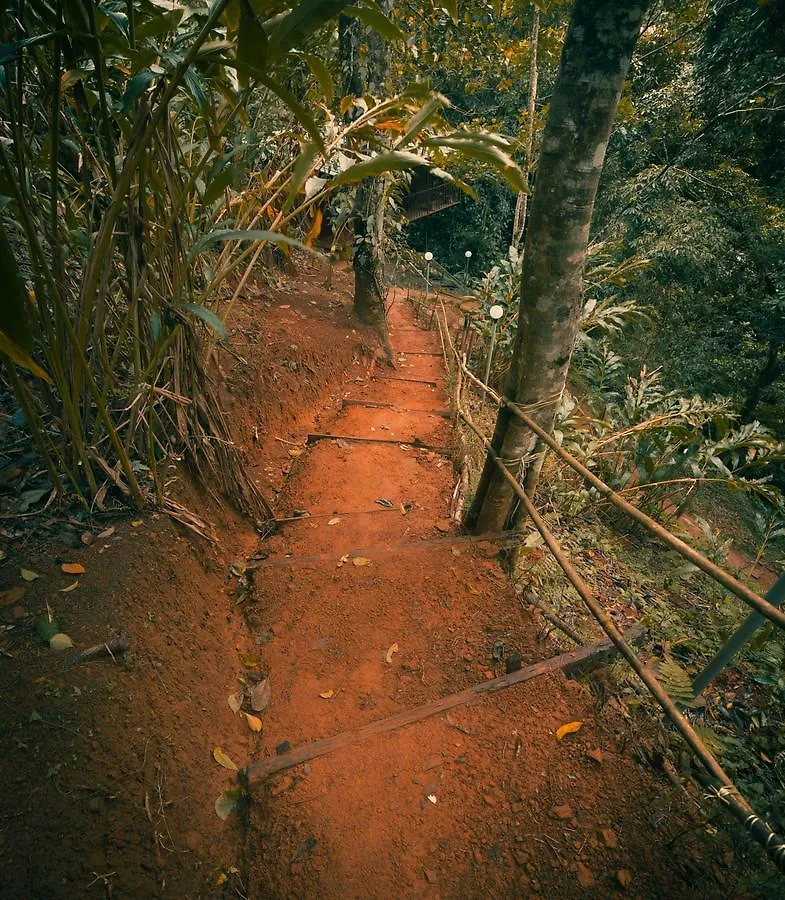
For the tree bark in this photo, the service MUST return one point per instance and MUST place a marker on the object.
(594, 64)
(368, 210)
(773, 369)
(519, 223)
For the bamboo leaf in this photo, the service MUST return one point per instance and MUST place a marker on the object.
(394, 161)
(293, 30)
(477, 147)
(377, 20)
(21, 358)
(300, 170)
(421, 118)
(207, 240)
(321, 73)
(451, 8)
(12, 50)
(207, 316)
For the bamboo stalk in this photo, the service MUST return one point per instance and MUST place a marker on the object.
(727, 793)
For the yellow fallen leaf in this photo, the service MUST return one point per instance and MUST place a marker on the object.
(294, 452)
(137, 522)
(471, 588)
(334, 521)
(361, 561)
(254, 722)
(389, 655)
(29, 574)
(71, 587)
(569, 728)
(223, 760)
(221, 879)
(73, 568)
(60, 641)
(327, 695)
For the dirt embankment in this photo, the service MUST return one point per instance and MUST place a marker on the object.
(107, 770)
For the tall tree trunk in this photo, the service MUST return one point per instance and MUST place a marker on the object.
(594, 64)
(368, 211)
(773, 369)
(520, 207)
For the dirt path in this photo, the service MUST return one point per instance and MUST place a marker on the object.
(483, 800)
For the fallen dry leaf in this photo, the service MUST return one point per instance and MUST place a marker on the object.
(235, 702)
(254, 722)
(260, 695)
(223, 760)
(294, 452)
(389, 655)
(107, 532)
(29, 574)
(60, 641)
(71, 587)
(137, 522)
(334, 521)
(73, 568)
(569, 728)
(327, 695)
(624, 877)
(471, 588)
(12, 595)
(596, 755)
(361, 561)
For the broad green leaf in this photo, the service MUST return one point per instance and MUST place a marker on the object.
(136, 87)
(322, 74)
(12, 50)
(207, 316)
(294, 30)
(207, 240)
(377, 20)
(158, 24)
(394, 161)
(251, 42)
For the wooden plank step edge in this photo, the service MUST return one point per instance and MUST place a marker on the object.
(442, 413)
(415, 444)
(576, 662)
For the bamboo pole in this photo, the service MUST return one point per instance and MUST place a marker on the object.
(714, 571)
(727, 793)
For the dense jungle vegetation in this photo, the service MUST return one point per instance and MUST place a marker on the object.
(156, 157)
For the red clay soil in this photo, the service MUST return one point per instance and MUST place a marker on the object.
(107, 775)
(107, 768)
(484, 800)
